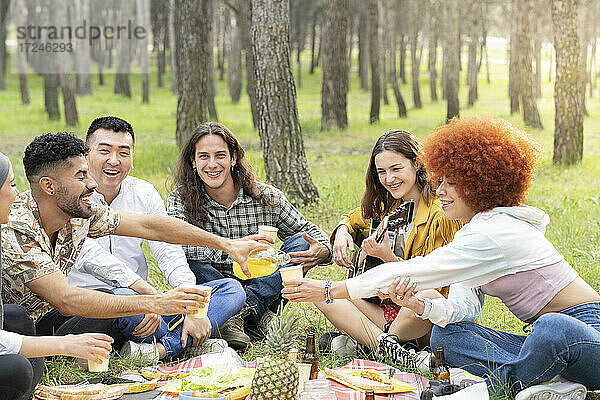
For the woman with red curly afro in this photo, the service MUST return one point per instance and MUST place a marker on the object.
(484, 168)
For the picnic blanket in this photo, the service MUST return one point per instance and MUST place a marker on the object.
(342, 392)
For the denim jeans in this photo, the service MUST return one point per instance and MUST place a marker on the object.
(565, 343)
(261, 293)
(227, 299)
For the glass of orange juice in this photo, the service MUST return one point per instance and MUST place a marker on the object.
(269, 231)
(201, 311)
(291, 272)
(94, 366)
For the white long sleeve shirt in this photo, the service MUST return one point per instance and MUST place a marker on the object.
(502, 241)
(101, 262)
(10, 342)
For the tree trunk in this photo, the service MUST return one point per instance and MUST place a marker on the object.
(403, 58)
(383, 39)
(472, 67)
(279, 126)
(4, 10)
(434, 22)
(350, 43)
(51, 96)
(513, 65)
(363, 49)
(192, 38)
(531, 115)
(537, 50)
(81, 55)
(451, 59)
(234, 63)
(394, 77)
(212, 84)
(21, 20)
(242, 10)
(374, 61)
(568, 115)
(172, 47)
(335, 66)
(64, 69)
(143, 18)
(313, 40)
(124, 51)
(416, 18)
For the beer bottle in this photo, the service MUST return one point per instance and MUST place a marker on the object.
(310, 356)
(369, 395)
(440, 371)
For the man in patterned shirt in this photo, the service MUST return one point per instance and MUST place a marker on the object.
(216, 189)
(47, 227)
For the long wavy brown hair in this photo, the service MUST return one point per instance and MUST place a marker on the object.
(377, 200)
(191, 188)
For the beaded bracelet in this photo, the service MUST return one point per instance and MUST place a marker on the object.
(328, 298)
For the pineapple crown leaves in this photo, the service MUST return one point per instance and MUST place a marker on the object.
(282, 331)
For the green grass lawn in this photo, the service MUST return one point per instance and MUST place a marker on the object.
(337, 159)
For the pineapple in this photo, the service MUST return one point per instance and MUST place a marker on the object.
(276, 377)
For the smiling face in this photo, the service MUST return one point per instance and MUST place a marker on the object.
(213, 162)
(74, 188)
(110, 159)
(8, 193)
(397, 174)
(453, 205)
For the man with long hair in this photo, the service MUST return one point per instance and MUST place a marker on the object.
(215, 188)
(111, 141)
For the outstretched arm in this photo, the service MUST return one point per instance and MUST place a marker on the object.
(69, 300)
(173, 230)
(86, 345)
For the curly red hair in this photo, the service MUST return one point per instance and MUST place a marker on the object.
(491, 162)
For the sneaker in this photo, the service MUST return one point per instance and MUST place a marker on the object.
(390, 349)
(325, 341)
(554, 391)
(145, 352)
(343, 345)
(208, 346)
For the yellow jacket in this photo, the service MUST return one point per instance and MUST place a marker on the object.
(430, 231)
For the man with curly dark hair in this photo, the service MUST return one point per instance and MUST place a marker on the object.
(484, 168)
(46, 229)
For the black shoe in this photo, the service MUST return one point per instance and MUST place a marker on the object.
(325, 341)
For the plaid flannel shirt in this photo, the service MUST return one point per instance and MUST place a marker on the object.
(242, 219)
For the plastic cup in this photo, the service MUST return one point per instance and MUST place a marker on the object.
(293, 272)
(201, 311)
(269, 231)
(98, 366)
(303, 374)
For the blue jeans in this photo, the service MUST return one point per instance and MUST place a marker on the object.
(261, 293)
(227, 299)
(565, 343)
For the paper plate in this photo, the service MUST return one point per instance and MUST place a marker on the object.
(399, 387)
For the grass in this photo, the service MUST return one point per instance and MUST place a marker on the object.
(337, 159)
